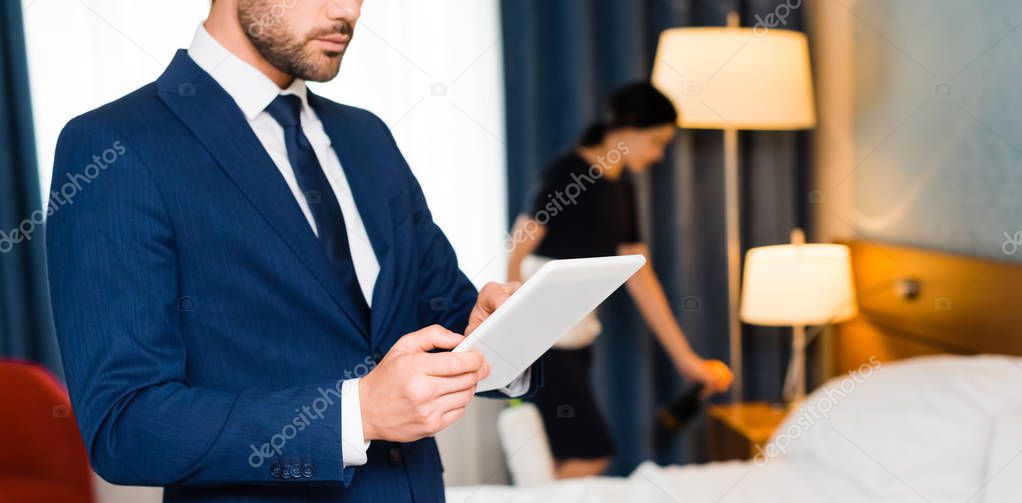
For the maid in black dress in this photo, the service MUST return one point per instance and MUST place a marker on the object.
(584, 206)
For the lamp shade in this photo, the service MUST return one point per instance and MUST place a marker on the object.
(740, 78)
(799, 284)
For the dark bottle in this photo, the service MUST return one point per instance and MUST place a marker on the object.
(675, 416)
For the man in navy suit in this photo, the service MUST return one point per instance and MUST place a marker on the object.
(241, 273)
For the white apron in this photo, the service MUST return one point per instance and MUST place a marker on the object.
(584, 332)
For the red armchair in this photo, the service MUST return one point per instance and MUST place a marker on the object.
(42, 457)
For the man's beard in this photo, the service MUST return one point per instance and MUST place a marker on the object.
(286, 52)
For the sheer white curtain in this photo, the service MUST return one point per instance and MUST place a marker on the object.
(431, 70)
(82, 54)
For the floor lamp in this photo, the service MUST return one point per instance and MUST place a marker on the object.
(735, 78)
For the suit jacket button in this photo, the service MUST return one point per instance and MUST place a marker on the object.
(307, 470)
(275, 470)
(286, 472)
(296, 471)
(394, 455)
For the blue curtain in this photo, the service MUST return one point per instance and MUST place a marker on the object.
(562, 58)
(26, 329)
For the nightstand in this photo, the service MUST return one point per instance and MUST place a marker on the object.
(735, 430)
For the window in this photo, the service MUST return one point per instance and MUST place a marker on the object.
(431, 70)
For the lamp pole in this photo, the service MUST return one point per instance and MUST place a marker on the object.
(732, 193)
(795, 380)
(734, 253)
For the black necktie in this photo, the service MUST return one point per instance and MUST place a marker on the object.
(285, 109)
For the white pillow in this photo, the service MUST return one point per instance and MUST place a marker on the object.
(901, 430)
(1004, 465)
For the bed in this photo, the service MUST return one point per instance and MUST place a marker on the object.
(925, 403)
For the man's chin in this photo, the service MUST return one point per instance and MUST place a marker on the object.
(326, 69)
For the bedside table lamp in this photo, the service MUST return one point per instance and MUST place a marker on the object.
(797, 285)
(733, 78)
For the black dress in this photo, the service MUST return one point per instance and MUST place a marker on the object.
(585, 215)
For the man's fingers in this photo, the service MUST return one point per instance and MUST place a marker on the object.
(456, 400)
(454, 384)
(430, 338)
(491, 297)
(494, 294)
(501, 291)
(452, 364)
(450, 417)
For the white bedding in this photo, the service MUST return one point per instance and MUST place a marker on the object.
(918, 430)
(725, 482)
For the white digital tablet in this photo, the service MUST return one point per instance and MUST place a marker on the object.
(549, 304)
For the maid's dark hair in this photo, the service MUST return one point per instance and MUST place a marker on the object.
(638, 105)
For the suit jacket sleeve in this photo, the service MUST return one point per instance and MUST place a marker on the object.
(446, 295)
(113, 277)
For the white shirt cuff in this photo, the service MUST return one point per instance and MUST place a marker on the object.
(519, 386)
(353, 444)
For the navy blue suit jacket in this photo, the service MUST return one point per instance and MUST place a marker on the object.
(204, 335)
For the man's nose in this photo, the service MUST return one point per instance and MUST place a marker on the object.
(348, 10)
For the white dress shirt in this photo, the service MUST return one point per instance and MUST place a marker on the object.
(253, 92)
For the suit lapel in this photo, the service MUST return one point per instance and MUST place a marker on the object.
(353, 148)
(220, 126)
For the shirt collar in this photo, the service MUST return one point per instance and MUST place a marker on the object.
(251, 89)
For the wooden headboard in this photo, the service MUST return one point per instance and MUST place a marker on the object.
(915, 302)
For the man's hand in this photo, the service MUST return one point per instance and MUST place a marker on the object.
(412, 393)
(490, 298)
